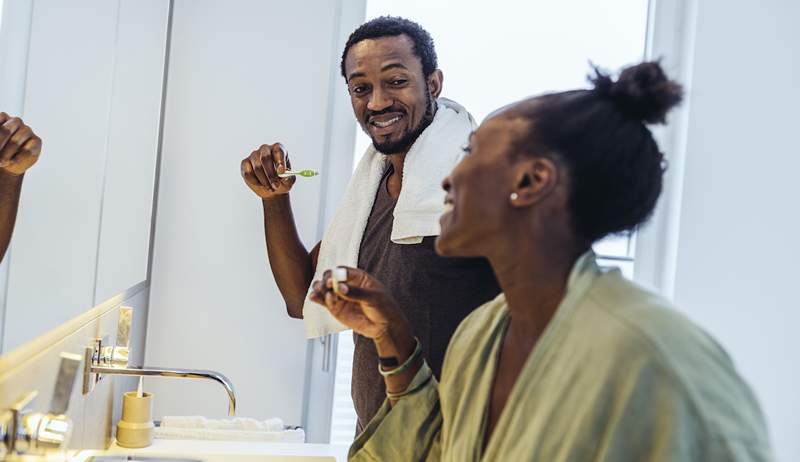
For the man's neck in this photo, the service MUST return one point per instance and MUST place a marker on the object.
(395, 181)
(394, 184)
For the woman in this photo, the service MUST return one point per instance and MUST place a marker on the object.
(570, 362)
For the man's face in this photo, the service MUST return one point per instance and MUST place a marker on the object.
(392, 100)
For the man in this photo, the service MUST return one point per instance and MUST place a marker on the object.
(19, 150)
(388, 219)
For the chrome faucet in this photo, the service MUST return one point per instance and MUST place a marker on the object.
(28, 434)
(174, 373)
(102, 359)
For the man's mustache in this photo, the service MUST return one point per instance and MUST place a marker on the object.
(370, 114)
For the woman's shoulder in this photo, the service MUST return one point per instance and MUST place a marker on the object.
(488, 314)
(635, 326)
(477, 328)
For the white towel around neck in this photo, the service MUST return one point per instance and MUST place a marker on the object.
(431, 158)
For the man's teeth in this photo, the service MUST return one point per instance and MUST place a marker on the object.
(386, 123)
(448, 207)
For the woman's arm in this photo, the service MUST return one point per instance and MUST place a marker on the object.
(407, 427)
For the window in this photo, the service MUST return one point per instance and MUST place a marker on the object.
(494, 53)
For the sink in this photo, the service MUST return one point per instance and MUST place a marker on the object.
(121, 458)
(218, 451)
(211, 458)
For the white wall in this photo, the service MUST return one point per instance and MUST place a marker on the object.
(241, 73)
(735, 261)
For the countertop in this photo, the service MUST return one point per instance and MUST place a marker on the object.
(214, 451)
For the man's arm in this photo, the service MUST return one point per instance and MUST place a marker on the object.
(19, 150)
(292, 265)
(10, 186)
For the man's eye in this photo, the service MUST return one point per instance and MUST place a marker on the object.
(358, 90)
(398, 82)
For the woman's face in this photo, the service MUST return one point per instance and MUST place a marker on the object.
(478, 203)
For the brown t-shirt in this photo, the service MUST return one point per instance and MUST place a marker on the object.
(436, 293)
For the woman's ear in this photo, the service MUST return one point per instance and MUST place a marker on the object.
(435, 81)
(534, 180)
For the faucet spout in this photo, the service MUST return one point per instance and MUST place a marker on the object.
(174, 373)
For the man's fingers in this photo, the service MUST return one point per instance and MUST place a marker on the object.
(33, 146)
(267, 162)
(280, 157)
(27, 155)
(248, 174)
(14, 145)
(4, 117)
(258, 171)
(7, 131)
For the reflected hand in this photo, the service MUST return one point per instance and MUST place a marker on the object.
(19, 146)
(361, 303)
(261, 168)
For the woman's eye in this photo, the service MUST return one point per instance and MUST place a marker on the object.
(466, 149)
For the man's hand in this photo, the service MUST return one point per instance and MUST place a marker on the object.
(19, 146)
(261, 168)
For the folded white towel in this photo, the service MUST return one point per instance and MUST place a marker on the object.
(416, 215)
(284, 436)
(238, 423)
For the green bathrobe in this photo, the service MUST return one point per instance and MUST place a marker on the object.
(618, 375)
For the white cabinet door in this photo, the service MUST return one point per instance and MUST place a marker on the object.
(133, 135)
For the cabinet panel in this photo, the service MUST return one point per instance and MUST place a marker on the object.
(132, 146)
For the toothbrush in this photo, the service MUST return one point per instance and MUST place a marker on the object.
(140, 391)
(304, 173)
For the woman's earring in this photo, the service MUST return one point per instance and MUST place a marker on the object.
(514, 196)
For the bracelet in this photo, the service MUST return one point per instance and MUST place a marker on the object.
(409, 391)
(406, 365)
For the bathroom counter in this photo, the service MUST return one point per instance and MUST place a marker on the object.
(244, 451)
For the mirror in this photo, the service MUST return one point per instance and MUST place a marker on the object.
(87, 77)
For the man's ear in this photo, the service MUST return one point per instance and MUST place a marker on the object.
(534, 180)
(435, 81)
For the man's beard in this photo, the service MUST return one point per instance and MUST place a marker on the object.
(403, 144)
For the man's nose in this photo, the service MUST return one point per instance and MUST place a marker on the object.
(379, 100)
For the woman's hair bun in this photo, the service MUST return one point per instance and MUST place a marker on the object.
(642, 91)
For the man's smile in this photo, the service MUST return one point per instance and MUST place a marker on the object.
(384, 124)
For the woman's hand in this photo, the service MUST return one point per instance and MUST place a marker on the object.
(359, 302)
(363, 304)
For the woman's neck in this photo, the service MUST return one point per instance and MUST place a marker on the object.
(533, 277)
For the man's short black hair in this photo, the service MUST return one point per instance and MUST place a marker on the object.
(389, 26)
